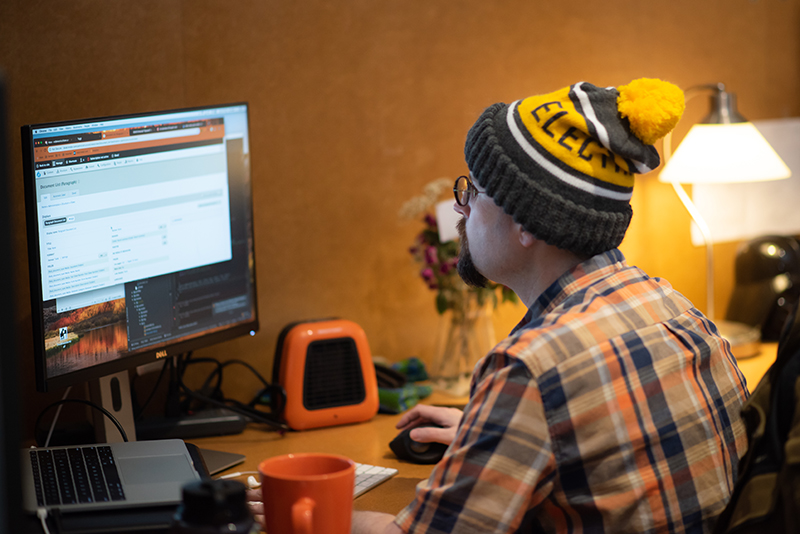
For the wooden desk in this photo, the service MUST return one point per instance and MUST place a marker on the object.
(754, 368)
(366, 443)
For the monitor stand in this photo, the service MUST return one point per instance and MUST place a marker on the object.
(112, 392)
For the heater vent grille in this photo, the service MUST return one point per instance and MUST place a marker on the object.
(332, 375)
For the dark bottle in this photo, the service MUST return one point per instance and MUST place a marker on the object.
(214, 507)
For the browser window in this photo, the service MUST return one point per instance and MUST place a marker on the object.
(121, 201)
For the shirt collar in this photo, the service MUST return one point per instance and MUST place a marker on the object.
(572, 281)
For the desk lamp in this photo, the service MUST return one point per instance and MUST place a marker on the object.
(723, 148)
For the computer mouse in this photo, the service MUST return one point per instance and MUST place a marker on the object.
(406, 448)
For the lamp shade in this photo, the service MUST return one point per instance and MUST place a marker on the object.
(724, 153)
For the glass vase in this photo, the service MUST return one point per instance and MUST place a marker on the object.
(466, 334)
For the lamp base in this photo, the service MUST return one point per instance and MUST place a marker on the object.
(745, 340)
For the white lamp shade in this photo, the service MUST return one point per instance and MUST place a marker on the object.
(724, 153)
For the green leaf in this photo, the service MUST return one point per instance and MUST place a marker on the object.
(441, 303)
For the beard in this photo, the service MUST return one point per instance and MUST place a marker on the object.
(466, 267)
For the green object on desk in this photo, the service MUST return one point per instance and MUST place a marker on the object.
(397, 400)
(413, 368)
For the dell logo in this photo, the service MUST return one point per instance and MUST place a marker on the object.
(161, 354)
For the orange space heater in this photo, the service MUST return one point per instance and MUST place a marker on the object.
(325, 367)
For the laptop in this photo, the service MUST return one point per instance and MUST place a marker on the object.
(105, 477)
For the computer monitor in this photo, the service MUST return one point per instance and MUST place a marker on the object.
(140, 242)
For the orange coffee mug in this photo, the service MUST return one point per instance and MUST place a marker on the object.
(307, 493)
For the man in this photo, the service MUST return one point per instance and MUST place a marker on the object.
(614, 405)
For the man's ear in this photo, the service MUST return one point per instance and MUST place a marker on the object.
(526, 238)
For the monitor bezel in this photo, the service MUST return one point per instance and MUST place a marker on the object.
(43, 383)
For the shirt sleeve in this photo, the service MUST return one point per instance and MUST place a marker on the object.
(500, 464)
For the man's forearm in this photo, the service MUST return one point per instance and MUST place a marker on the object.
(374, 523)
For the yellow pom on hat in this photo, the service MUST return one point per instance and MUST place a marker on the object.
(653, 107)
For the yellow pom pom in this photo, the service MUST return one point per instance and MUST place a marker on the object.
(652, 106)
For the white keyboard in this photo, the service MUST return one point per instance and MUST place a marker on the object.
(369, 476)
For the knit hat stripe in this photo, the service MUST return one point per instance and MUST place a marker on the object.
(557, 127)
(595, 124)
(554, 160)
(555, 170)
(596, 127)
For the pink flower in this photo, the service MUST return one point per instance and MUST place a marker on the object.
(448, 266)
(430, 220)
(427, 274)
(431, 256)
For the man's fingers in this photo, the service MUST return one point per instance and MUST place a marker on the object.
(256, 507)
(255, 504)
(429, 434)
(408, 418)
(424, 413)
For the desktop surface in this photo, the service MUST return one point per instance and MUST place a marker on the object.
(366, 443)
(755, 367)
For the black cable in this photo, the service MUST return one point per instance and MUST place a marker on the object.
(275, 392)
(217, 373)
(216, 393)
(250, 412)
(257, 416)
(88, 403)
(250, 367)
(141, 409)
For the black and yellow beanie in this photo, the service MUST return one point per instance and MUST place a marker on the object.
(562, 164)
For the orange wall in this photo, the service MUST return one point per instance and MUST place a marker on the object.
(356, 104)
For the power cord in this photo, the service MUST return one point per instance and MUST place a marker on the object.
(249, 410)
(42, 514)
(253, 414)
(140, 409)
(88, 403)
(182, 399)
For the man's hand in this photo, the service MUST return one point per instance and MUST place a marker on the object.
(256, 506)
(447, 418)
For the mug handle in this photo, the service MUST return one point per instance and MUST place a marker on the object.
(302, 516)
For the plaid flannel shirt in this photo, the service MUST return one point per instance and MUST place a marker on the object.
(614, 406)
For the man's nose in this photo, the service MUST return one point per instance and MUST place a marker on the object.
(463, 210)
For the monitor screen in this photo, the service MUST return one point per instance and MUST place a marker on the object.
(140, 238)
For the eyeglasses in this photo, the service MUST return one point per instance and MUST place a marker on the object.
(464, 190)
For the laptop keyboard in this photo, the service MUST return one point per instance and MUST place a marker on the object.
(75, 475)
(369, 476)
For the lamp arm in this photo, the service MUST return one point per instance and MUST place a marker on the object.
(702, 225)
(706, 232)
